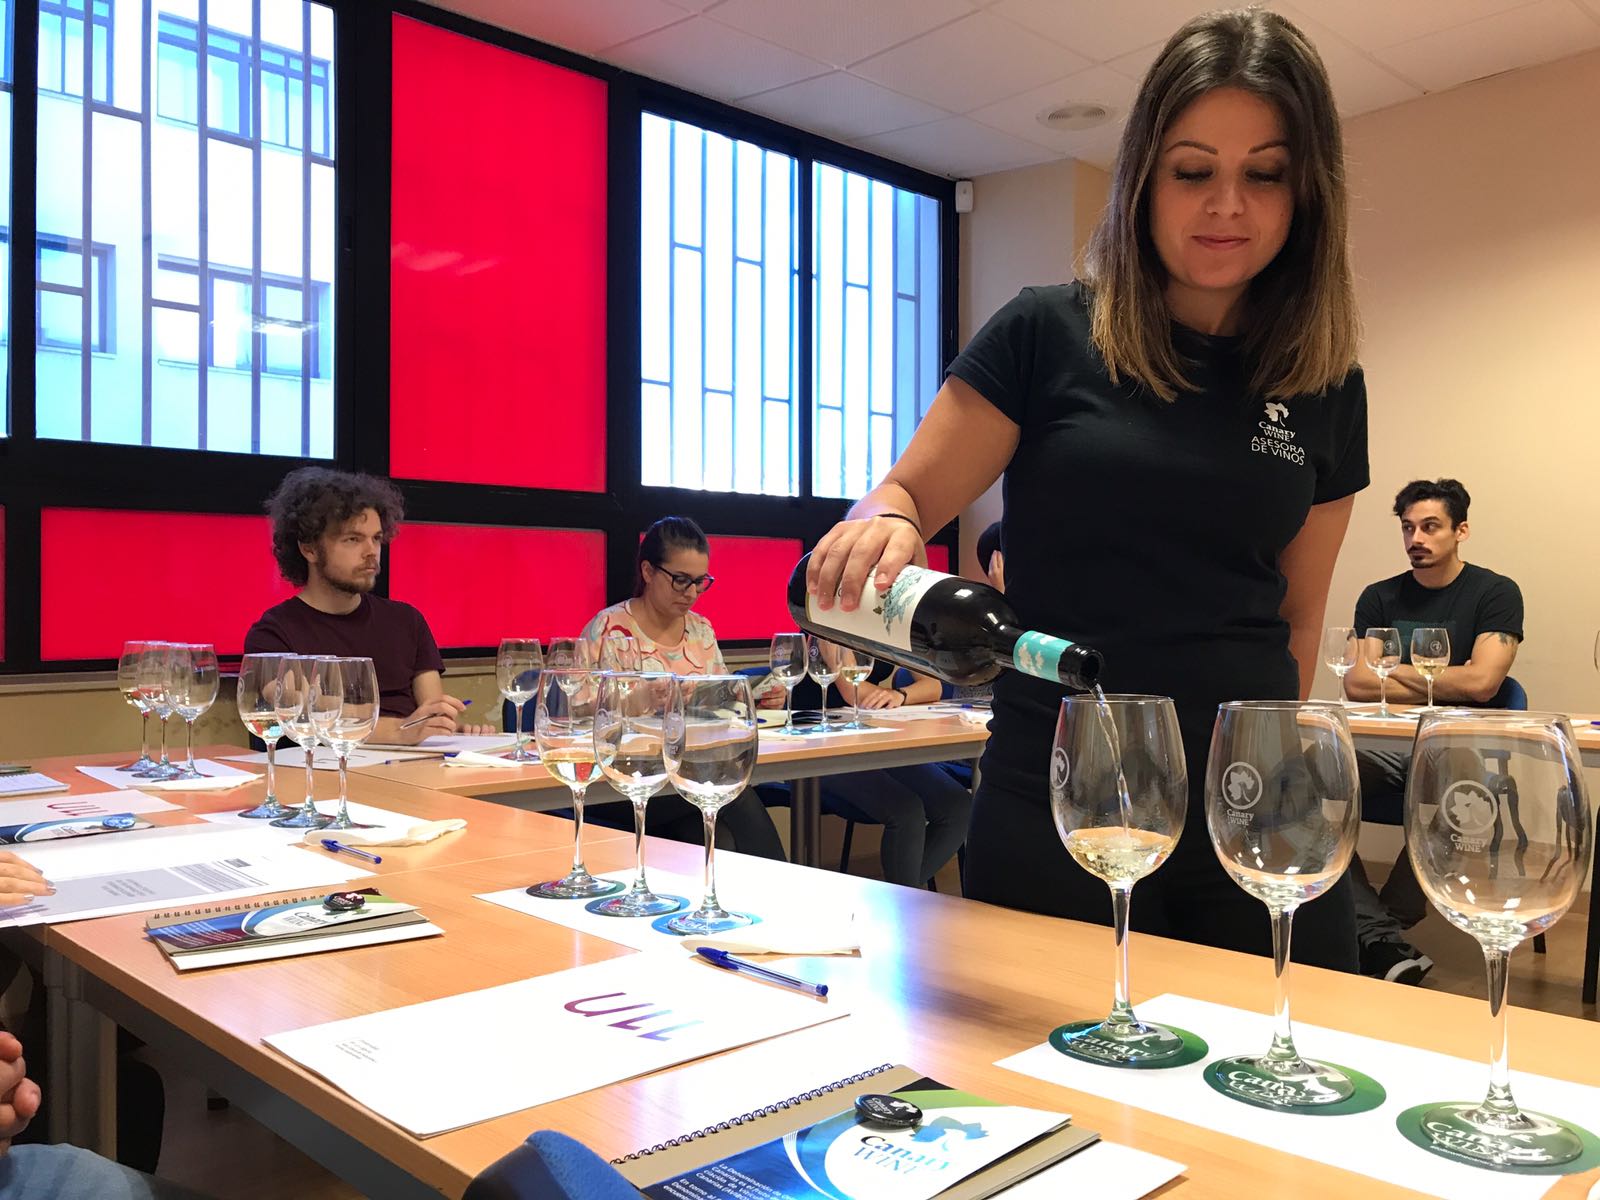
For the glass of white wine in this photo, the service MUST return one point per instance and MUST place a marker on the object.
(822, 664)
(133, 653)
(854, 669)
(344, 709)
(1340, 649)
(258, 685)
(629, 720)
(1119, 792)
(563, 726)
(1468, 770)
(710, 750)
(516, 670)
(1430, 653)
(788, 664)
(1283, 807)
(292, 703)
(1381, 650)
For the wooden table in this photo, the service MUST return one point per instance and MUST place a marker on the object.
(801, 763)
(1371, 732)
(945, 984)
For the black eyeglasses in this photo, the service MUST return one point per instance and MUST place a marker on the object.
(682, 582)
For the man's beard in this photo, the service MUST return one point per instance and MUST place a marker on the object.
(358, 585)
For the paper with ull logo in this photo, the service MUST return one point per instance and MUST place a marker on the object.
(447, 1063)
(842, 1158)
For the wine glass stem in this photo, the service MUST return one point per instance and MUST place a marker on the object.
(144, 736)
(788, 704)
(1498, 1101)
(518, 752)
(1282, 1030)
(1383, 695)
(309, 748)
(1122, 1006)
(639, 884)
(164, 760)
(188, 724)
(710, 901)
(344, 791)
(577, 830)
(1430, 691)
(855, 707)
(272, 769)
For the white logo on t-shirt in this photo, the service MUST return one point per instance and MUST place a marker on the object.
(1276, 438)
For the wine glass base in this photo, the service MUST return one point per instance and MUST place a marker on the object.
(521, 755)
(1141, 1046)
(702, 922)
(1313, 1087)
(347, 823)
(305, 818)
(1462, 1132)
(576, 885)
(269, 810)
(639, 904)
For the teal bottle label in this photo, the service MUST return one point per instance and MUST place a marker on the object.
(1040, 654)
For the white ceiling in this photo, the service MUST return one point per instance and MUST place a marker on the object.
(956, 86)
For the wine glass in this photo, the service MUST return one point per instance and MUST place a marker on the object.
(571, 657)
(1283, 807)
(1382, 652)
(258, 685)
(1119, 791)
(128, 685)
(191, 691)
(822, 664)
(710, 750)
(516, 669)
(628, 720)
(854, 667)
(154, 676)
(292, 703)
(1430, 653)
(618, 652)
(563, 725)
(344, 708)
(1339, 651)
(788, 663)
(1470, 773)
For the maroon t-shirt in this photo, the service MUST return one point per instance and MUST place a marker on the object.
(392, 634)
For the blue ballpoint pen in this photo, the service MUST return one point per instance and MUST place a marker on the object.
(340, 848)
(722, 958)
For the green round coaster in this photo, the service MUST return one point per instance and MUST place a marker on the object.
(1460, 1150)
(1075, 1041)
(1247, 1089)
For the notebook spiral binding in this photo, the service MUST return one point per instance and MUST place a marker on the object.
(217, 910)
(746, 1118)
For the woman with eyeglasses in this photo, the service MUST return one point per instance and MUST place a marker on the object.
(671, 572)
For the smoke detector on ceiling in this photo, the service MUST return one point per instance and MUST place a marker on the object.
(1075, 115)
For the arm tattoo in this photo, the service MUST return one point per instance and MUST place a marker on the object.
(1506, 639)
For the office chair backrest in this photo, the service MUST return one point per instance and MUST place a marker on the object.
(550, 1166)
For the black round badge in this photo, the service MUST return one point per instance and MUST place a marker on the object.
(343, 902)
(879, 1109)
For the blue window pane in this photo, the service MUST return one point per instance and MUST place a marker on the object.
(283, 330)
(718, 260)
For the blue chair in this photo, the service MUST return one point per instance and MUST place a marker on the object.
(550, 1166)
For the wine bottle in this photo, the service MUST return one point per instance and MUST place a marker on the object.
(943, 625)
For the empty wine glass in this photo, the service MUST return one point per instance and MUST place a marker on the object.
(1119, 791)
(854, 668)
(1283, 807)
(292, 703)
(571, 657)
(788, 662)
(563, 725)
(618, 652)
(1340, 649)
(822, 664)
(191, 691)
(1472, 773)
(154, 676)
(128, 685)
(258, 687)
(516, 669)
(1382, 652)
(628, 722)
(1430, 653)
(344, 709)
(710, 750)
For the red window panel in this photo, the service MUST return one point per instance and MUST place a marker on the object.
(939, 558)
(497, 266)
(476, 584)
(206, 579)
(748, 600)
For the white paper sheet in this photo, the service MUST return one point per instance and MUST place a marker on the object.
(805, 923)
(502, 1049)
(1105, 1171)
(365, 814)
(84, 804)
(217, 776)
(441, 743)
(1365, 1142)
(22, 785)
(293, 757)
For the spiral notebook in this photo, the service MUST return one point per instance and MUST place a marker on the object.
(738, 1135)
(220, 934)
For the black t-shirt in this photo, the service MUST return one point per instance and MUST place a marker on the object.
(392, 634)
(1149, 529)
(1475, 602)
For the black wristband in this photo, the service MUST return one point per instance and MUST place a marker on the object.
(897, 516)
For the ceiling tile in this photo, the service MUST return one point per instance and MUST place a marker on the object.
(1359, 84)
(695, 5)
(1019, 115)
(842, 106)
(1373, 24)
(1135, 63)
(713, 60)
(1540, 32)
(1098, 30)
(956, 147)
(839, 32)
(584, 26)
(972, 62)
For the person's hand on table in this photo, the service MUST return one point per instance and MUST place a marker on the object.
(870, 695)
(434, 717)
(20, 1097)
(851, 550)
(20, 881)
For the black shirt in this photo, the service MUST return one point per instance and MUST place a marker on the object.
(1149, 529)
(1475, 602)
